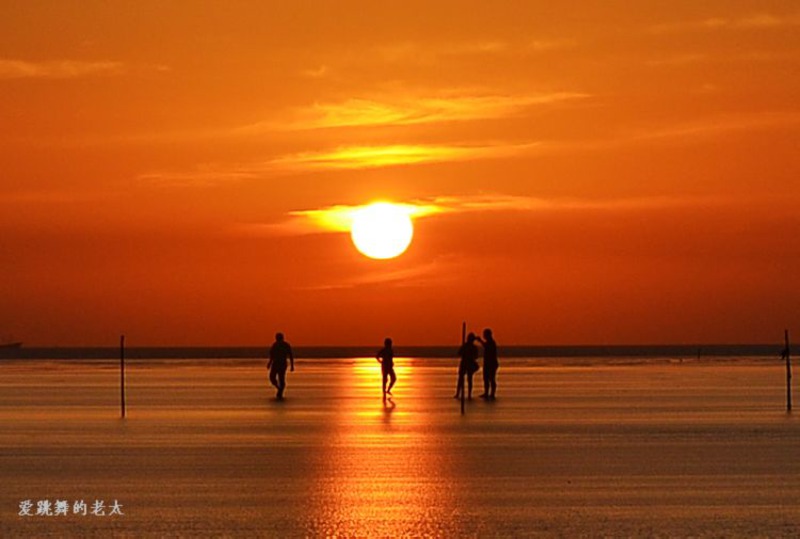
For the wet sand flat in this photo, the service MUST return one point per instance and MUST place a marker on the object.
(693, 449)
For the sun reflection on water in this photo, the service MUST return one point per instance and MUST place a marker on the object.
(382, 469)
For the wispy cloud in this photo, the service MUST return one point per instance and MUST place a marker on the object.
(447, 107)
(751, 22)
(318, 72)
(543, 45)
(54, 196)
(427, 52)
(369, 157)
(482, 202)
(409, 50)
(363, 157)
(498, 202)
(685, 132)
(338, 218)
(747, 57)
(677, 60)
(720, 124)
(342, 158)
(62, 69)
(207, 175)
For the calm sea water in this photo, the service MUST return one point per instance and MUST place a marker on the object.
(609, 446)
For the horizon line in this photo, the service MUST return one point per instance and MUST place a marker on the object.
(350, 351)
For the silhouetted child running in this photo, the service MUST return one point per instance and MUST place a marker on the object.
(467, 366)
(385, 357)
(278, 354)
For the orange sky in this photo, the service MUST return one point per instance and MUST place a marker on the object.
(613, 175)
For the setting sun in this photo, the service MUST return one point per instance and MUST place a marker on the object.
(381, 230)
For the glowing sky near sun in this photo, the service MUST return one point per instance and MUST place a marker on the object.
(581, 172)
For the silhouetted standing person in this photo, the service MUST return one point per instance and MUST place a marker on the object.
(467, 366)
(385, 357)
(278, 354)
(490, 364)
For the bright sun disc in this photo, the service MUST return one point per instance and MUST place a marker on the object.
(381, 230)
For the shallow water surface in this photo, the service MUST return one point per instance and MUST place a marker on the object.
(643, 449)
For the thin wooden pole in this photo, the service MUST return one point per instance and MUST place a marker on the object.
(462, 376)
(122, 374)
(788, 357)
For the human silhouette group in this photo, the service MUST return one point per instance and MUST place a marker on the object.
(468, 365)
(281, 358)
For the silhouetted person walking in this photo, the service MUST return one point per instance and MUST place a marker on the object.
(385, 357)
(467, 366)
(278, 354)
(490, 364)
